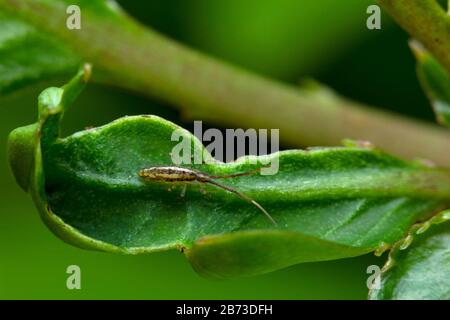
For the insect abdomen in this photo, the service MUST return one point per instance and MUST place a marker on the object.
(169, 174)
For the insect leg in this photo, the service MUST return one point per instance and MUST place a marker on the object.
(202, 190)
(183, 191)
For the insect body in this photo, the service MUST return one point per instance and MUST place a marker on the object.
(177, 174)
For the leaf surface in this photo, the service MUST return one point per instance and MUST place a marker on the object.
(421, 270)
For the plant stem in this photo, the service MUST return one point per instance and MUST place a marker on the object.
(131, 56)
(426, 21)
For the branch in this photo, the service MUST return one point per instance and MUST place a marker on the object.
(426, 21)
(134, 57)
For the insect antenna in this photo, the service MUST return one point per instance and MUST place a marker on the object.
(240, 174)
(244, 197)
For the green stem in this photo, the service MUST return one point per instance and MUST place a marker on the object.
(426, 21)
(132, 56)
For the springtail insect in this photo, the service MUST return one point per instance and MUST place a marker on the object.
(177, 174)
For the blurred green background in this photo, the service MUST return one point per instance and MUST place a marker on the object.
(284, 39)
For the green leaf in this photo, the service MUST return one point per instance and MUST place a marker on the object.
(419, 266)
(435, 82)
(329, 203)
(28, 56)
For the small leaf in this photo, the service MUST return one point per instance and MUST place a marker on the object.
(435, 82)
(329, 203)
(420, 271)
(27, 55)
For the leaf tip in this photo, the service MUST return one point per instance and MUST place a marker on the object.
(86, 72)
(417, 49)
